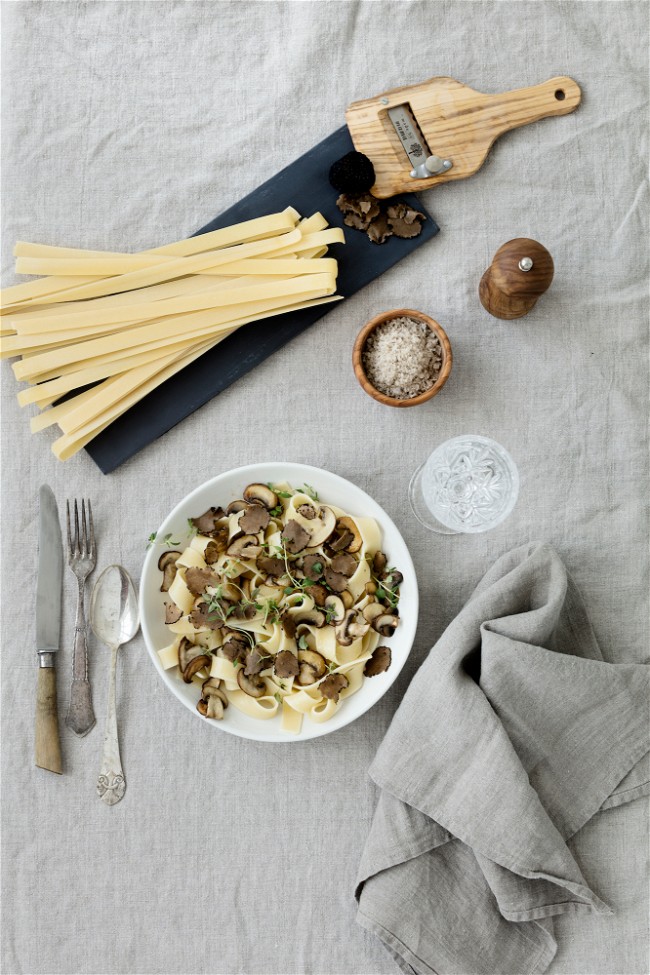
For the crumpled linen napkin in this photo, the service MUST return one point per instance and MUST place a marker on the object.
(513, 733)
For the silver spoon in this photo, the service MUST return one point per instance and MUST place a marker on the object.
(114, 619)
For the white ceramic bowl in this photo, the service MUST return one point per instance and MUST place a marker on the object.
(330, 488)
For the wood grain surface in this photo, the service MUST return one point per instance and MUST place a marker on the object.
(508, 292)
(362, 338)
(47, 748)
(457, 122)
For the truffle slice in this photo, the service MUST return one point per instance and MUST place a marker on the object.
(404, 221)
(332, 686)
(379, 230)
(379, 662)
(197, 580)
(254, 519)
(207, 522)
(295, 537)
(286, 664)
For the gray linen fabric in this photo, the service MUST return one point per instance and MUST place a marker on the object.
(123, 128)
(511, 736)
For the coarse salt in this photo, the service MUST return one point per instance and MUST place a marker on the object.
(402, 357)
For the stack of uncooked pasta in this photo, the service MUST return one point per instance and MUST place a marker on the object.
(109, 327)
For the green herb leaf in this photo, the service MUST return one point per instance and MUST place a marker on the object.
(308, 489)
(168, 540)
(302, 643)
(277, 511)
(152, 538)
(278, 697)
(191, 528)
(280, 494)
(317, 567)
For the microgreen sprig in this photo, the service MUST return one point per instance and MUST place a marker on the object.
(166, 540)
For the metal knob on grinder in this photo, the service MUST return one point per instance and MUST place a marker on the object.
(520, 272)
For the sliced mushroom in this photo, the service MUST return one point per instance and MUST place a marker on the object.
(206, 523)
(335, 580)
(236, 506)
(352, 628)
(379, 563)
(385, 624)
(261, 494)
(312, 617)
(321, 529)
(197, 580)
(379, 662)
(392, 579)
(194, 664)
(373, 611)
(319, 594)
(167, 565)
(342, 541)
(255, 519)
(215, 698)
(254, 686)
(286, 664)
(245, 547)
(349, 525)
(312, 667)
(335, 608)
(313, 566)
(271, 565)
(345, 564)
(370, 588)
(187, 651)
(348, 598)
(172, 613)
(332, 686)
(295, 537)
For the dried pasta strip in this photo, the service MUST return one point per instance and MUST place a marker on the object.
(89, 267)
(213, 297)
(250, 230)
(315, 287)
(104, 366)
(30, 321)
(179, 267)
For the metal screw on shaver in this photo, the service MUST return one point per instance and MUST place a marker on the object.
(432, 166)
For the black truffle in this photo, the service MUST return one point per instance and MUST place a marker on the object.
(353, 173)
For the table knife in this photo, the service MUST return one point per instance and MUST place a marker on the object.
(47, 749)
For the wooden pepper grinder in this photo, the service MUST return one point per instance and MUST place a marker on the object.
(520, 272)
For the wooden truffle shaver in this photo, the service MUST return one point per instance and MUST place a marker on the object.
(520, 272)
(438, 131)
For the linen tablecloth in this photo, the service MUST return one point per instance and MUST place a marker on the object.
(127, 125)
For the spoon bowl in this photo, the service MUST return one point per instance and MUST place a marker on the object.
(115, 621)
(114, 607)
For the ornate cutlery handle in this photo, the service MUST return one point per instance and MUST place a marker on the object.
(80, 717)
(111, 784)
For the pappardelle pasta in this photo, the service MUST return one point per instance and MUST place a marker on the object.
(278, 606)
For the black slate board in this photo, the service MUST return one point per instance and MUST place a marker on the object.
(303, 185)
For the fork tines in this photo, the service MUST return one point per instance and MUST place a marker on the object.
(83, 543)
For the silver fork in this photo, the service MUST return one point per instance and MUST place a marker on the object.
(81, 559)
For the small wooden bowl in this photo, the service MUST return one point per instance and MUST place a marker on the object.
(359, 345)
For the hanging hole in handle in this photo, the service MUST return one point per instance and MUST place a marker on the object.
(560, 95)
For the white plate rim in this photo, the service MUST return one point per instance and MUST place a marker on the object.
(294, 473)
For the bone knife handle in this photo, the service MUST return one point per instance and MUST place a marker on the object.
(47, 747)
